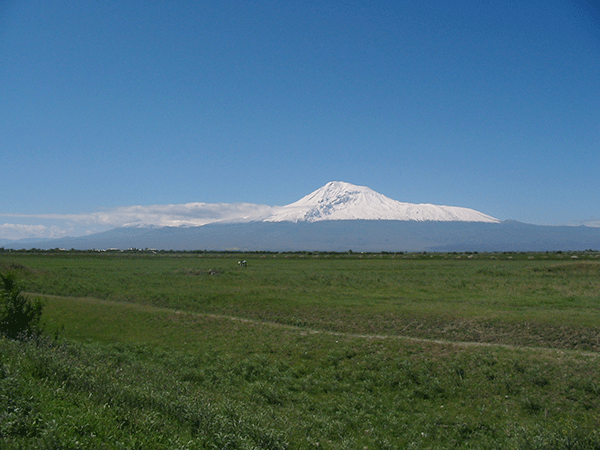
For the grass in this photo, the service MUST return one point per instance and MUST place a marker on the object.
(306, 351)
(551, 300)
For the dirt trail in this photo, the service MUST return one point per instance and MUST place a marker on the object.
(398, 337)
(307, 330)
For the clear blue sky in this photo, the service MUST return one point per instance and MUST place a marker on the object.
(493, 106)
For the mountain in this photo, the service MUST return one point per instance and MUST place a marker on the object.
(344, 201)
(343, 235)
(341, 217)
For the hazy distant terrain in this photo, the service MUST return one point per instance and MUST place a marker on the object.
(356, 235)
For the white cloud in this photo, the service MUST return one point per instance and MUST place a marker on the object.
(188, 214)
(23, 231)
(591, 223)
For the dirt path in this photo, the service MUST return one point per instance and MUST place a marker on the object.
(307, 330)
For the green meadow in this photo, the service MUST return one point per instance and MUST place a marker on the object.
(167, 350)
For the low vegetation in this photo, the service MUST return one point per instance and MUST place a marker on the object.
(300, 351)
(20, 317)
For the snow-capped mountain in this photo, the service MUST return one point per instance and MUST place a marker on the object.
(338, 200)
(337, 217)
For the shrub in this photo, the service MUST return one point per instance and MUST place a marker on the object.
(19, 317)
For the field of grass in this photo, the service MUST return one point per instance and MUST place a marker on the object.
(306, 350)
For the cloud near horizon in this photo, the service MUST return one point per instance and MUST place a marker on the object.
(15, 231)
(175, 215)
(54, 226)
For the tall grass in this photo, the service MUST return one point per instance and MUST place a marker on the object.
(268, 387)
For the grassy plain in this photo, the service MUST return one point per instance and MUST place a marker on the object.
(306, 350)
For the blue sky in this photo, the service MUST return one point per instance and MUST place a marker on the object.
(111, 105)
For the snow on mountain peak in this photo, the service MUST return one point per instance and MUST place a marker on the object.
(338, 200)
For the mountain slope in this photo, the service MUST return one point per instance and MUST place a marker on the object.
(344, 201)
(343, 235)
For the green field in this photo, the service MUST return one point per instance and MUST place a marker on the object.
(305, 350)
